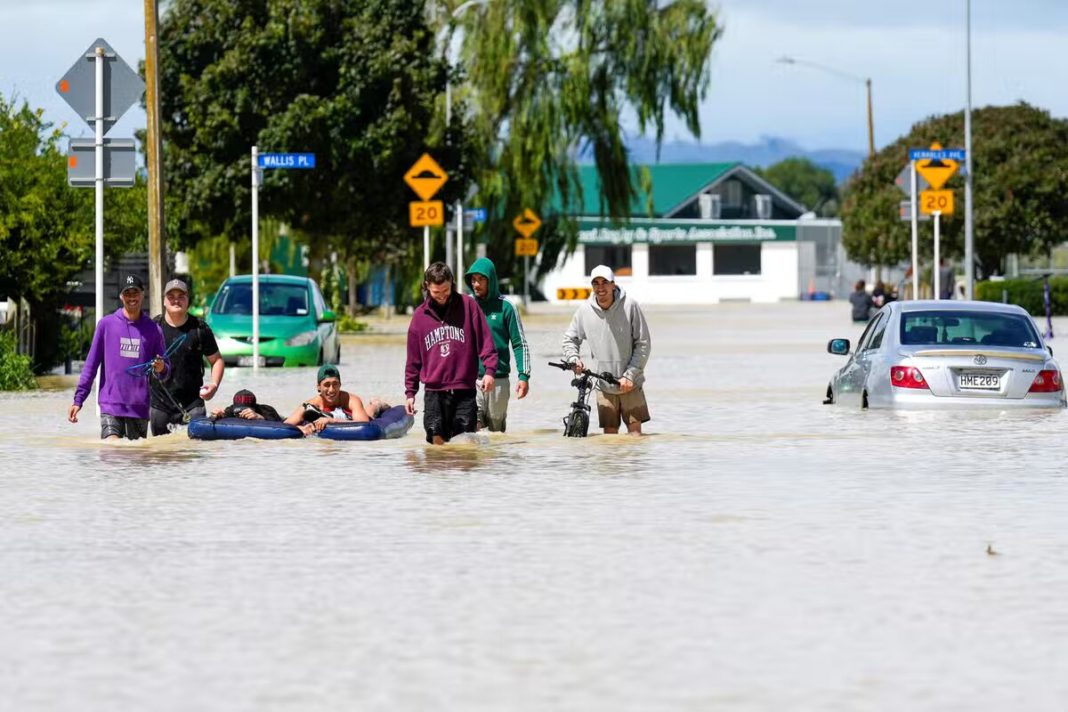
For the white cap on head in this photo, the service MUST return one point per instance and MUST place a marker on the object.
(603, 272)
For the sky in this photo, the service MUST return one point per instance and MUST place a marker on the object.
(913, 51)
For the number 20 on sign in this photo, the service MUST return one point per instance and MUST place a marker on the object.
(932, 201)
(427, 212)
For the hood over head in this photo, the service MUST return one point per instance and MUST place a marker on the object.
(484, 266)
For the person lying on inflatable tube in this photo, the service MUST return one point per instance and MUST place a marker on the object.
(332, 405)
(245, 406)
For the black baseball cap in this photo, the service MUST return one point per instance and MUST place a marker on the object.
(244, 399)
(130, 281)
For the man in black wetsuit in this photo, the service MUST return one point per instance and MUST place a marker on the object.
(186, 392)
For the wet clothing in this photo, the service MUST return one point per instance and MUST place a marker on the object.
(493, 406)
(187, 373)
(119, 343)
(263, 409)
(862, 305)
(445, 346)
(449, 413)
(129, 428)
(618, 338)
(504, 324)
(614, 408)
(162, 420)
(187, 362)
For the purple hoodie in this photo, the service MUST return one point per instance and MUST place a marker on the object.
(119, 343)
(443, 354)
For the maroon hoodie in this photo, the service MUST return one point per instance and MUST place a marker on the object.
(443, 353)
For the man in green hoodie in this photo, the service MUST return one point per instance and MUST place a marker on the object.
(507, 329)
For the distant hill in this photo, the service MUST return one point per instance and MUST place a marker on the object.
(841, 162)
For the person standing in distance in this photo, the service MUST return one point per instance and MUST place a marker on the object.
(127, 337)
(619, 341)
(507, 329)
(447, 338)
(186, 387)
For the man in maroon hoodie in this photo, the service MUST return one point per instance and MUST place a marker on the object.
(447, 338)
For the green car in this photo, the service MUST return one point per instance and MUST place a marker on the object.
(296, 328)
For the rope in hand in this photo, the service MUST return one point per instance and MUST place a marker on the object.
(145, 370)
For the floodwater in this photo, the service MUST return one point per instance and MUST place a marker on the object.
(757, 551)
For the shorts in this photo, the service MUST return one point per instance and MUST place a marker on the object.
(162, 420)
(449, 413)
(626, 407)
(493, 406)
(129, 428)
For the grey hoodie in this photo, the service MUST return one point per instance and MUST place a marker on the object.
(618, 338)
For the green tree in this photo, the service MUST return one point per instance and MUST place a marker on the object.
(547, 81)
(805, 182)
(46, 227)
(1020, 164)
(356, 83)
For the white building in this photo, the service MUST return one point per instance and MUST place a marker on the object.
(717, 232)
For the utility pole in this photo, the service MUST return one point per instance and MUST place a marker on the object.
(153, 148)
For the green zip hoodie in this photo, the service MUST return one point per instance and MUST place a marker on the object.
(504, 323)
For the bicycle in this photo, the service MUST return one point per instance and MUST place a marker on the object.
(577, 422)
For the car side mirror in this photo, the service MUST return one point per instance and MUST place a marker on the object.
(328, 315)
(838, 347)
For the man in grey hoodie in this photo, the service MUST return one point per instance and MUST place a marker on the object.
(619, 342)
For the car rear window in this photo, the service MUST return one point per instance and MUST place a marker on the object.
(930, 328)
(275, 300)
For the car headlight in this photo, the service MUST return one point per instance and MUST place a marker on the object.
(302, 339)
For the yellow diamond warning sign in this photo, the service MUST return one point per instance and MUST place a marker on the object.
(527, 223)
(936, 171)
(425, 177)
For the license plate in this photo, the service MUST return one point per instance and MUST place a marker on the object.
(247, 361)
(980, 381)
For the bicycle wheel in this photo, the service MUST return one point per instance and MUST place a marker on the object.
(578, 423)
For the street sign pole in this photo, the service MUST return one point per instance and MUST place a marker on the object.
(915, 234)
(936, 273)
(426, 247)
(99, 125)
(460, 241)
(255, 259)
(969, 238)
(526, 281)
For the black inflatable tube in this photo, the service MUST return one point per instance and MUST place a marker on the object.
(393, 423)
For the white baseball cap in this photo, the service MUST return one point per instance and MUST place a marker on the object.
(603, 272)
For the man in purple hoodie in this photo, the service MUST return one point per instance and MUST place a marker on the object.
(447, 338)
(124, 339)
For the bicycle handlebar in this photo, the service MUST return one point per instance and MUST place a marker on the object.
(604, 376)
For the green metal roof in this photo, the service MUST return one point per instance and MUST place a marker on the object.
(673, 183)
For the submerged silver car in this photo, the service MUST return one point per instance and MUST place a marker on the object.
(933, 354)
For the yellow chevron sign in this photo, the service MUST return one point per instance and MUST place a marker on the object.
(572, 294)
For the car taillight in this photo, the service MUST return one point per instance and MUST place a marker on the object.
(1047, 381)
(907, 377)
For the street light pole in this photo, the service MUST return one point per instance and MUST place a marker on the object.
(969, 238)
(866, 81)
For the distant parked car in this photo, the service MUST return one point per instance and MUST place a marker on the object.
(296, 328)
(933, 354)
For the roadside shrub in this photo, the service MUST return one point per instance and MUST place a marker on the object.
(1027, 293)
(347, 324)
(16, 370)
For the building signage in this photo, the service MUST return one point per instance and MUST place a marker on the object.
(679, 231)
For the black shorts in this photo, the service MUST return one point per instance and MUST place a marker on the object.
(129, 428)
(449, 413)
(162, 419)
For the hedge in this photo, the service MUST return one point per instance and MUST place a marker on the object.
(16, 370)
(1027, 293)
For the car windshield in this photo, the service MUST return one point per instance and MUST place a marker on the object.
(929, 328)
(275, 300)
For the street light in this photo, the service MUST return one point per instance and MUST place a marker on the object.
(460, 9)
(866, 81)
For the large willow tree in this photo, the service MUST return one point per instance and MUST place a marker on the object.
(547, 81)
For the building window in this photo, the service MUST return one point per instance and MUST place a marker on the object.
(615, 256)
(735, 259)
(672, 259)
